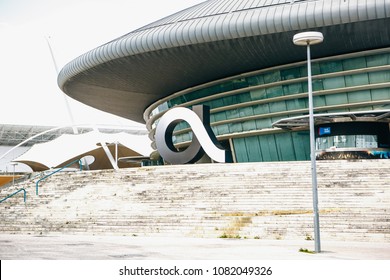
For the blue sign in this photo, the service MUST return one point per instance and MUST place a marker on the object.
(324, 131)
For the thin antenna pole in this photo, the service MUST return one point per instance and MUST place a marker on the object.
(75, 131)
(70, 114)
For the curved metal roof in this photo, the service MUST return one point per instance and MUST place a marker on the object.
(213, 40)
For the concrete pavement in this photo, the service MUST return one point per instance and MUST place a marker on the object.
(83, 247)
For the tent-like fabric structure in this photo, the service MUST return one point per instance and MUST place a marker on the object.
(5, 179)
(67, 148)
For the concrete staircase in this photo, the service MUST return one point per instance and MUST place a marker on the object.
(270, 200)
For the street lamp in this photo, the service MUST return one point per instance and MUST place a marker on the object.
(307, 39)
(13, 172)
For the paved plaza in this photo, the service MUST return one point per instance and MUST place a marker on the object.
(82, 247)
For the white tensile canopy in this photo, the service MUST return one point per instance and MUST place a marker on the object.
(69, 147)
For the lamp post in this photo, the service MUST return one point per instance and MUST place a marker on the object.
(13, 172)
(307, 39)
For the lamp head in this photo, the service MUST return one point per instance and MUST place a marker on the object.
(308, 38)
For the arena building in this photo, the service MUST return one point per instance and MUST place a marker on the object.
(237, 57)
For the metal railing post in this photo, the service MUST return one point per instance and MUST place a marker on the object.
(11, 195)
(56, 171)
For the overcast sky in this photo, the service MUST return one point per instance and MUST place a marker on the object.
(28, 80)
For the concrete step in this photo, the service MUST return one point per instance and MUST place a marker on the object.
(266, 199)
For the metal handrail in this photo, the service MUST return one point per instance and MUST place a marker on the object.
(56, 171)
(11, 195)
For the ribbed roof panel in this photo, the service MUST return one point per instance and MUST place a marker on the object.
(216, 21)
(220, 20)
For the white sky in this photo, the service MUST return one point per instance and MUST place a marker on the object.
(28, 80)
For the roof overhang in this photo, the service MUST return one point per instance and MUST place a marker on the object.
(199, 45)
(302, 122)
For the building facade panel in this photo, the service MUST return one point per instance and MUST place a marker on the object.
(254, 101)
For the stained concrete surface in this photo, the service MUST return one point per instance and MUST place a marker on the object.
(83, 247)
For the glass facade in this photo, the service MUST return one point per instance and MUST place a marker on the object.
(347, 141)
(254, 101)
